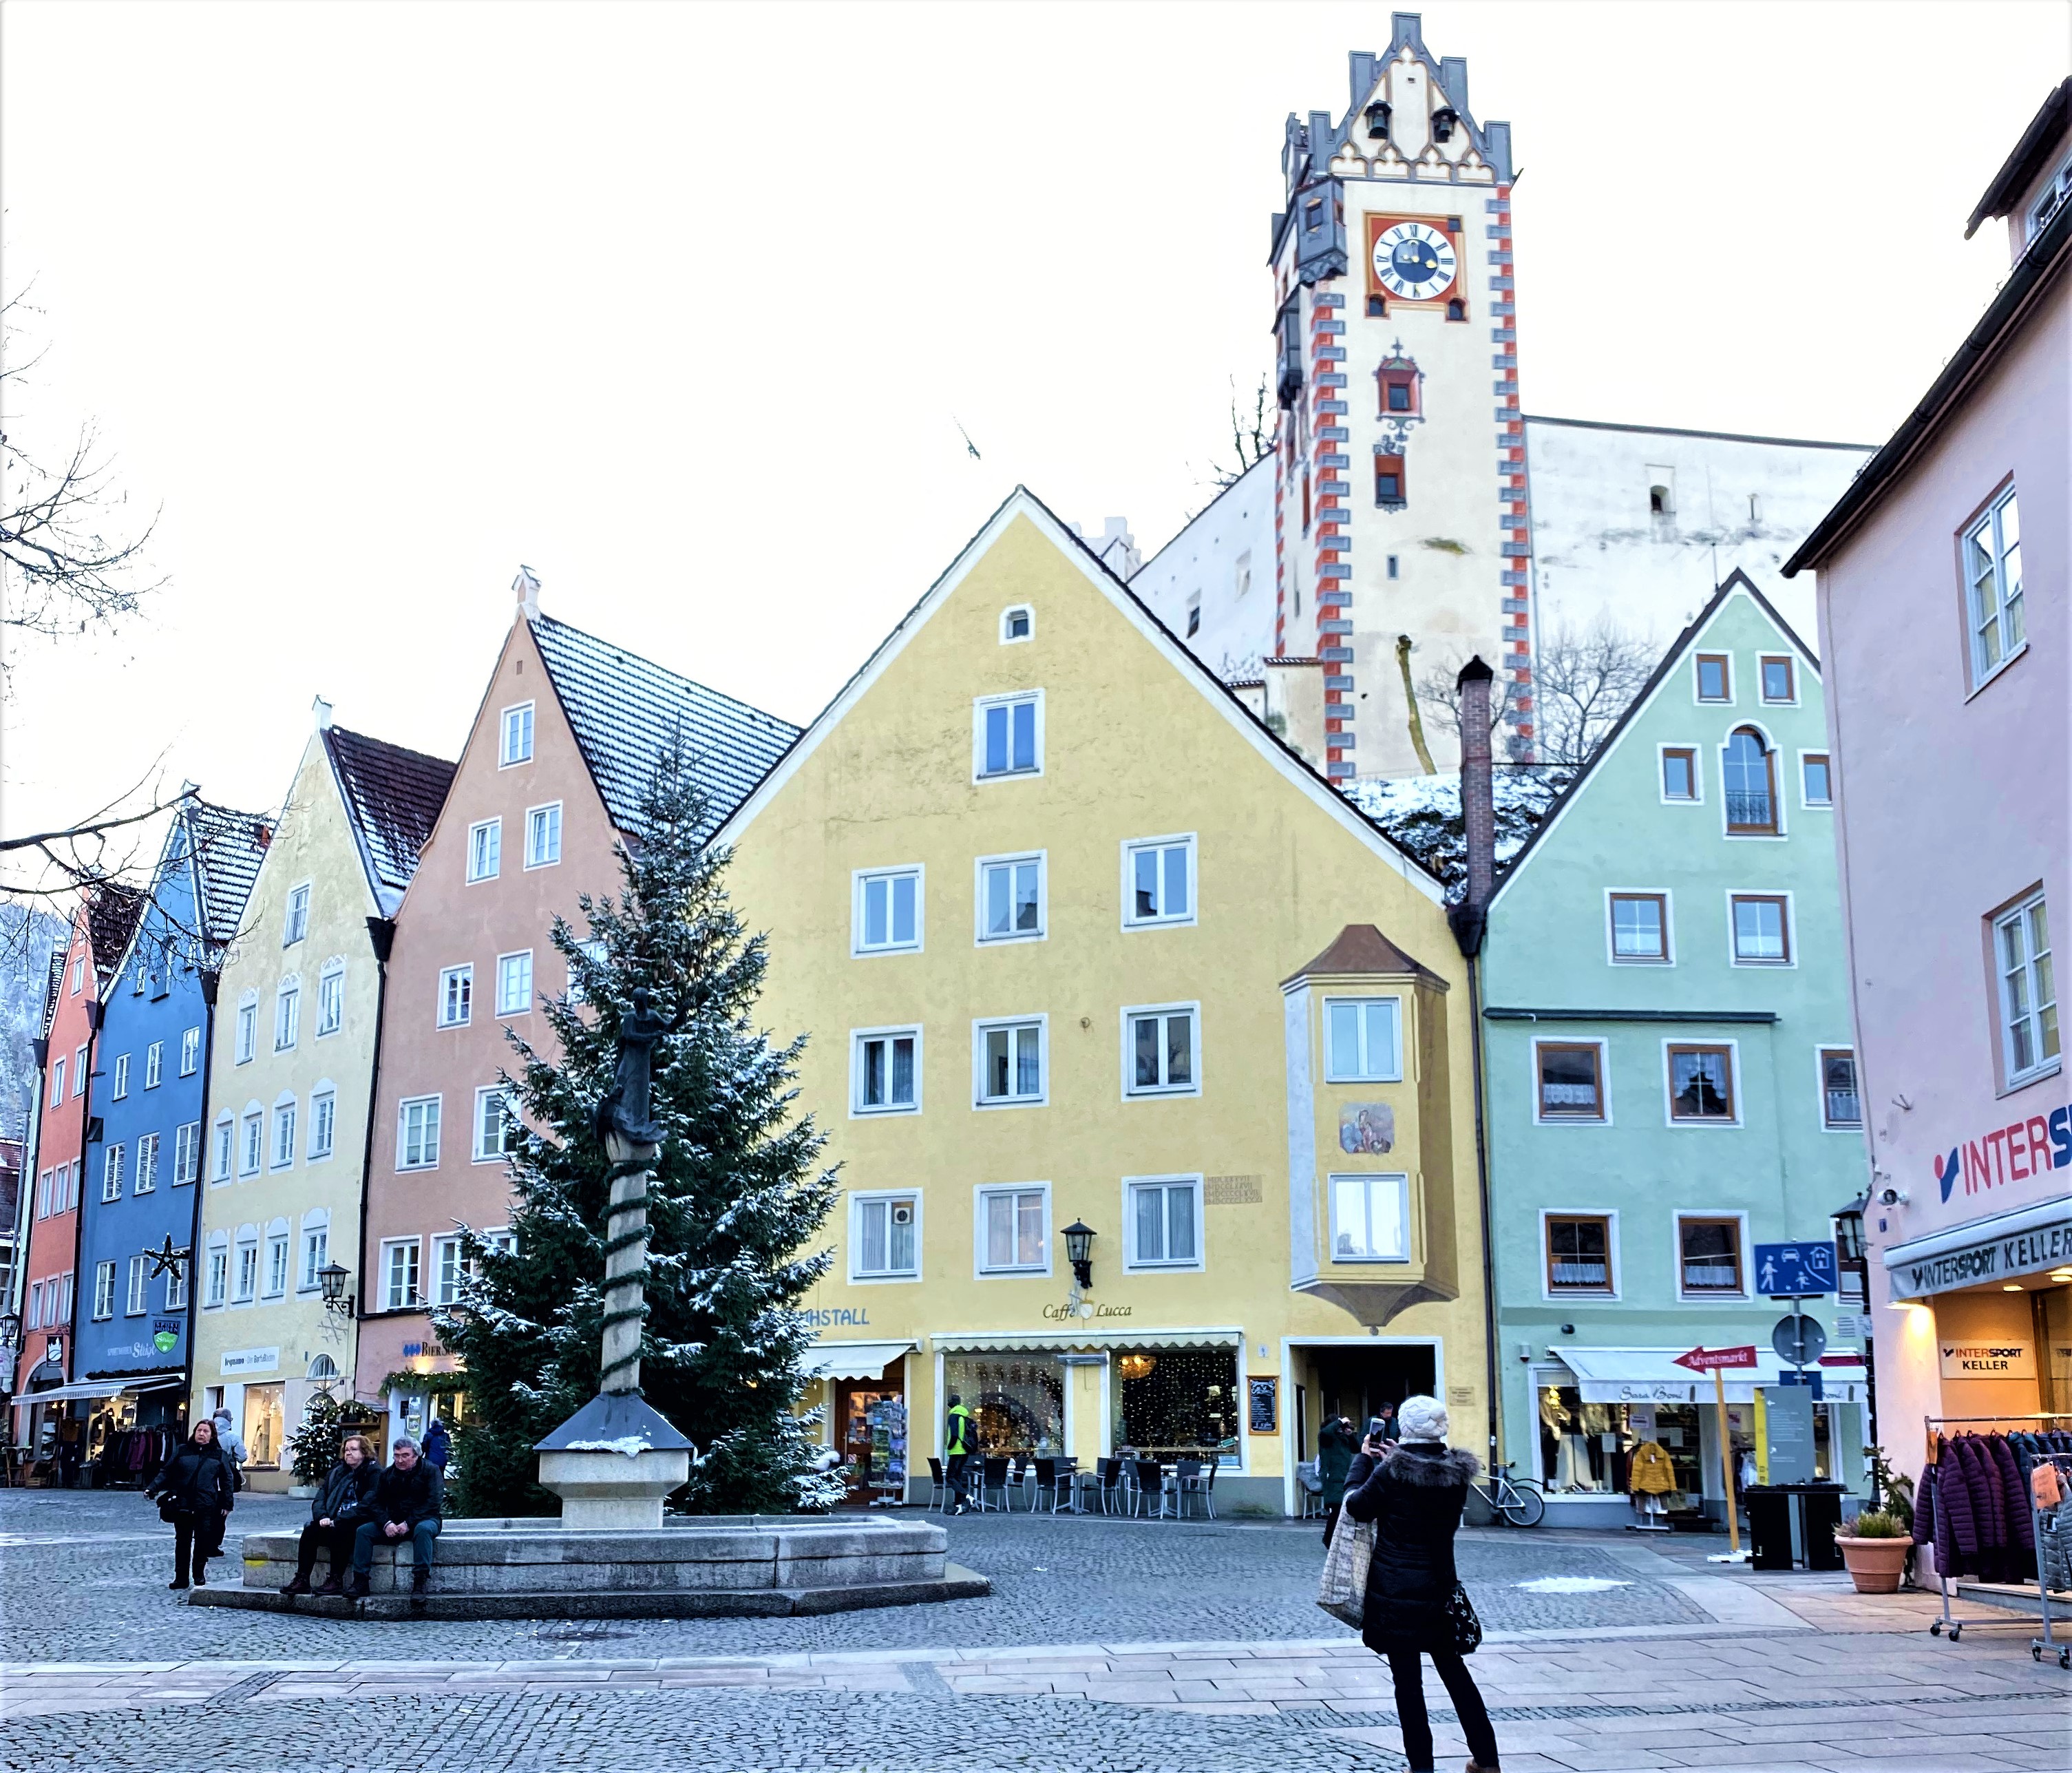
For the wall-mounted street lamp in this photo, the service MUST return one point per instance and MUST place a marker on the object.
(1849, 1232)
(1080, 1251)
(332, 1277)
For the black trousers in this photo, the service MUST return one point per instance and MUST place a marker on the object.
(337, 1540)
(1405, 1665)
(191, 1543)
(955, 1472)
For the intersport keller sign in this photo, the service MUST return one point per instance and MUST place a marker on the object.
(2029, 1252)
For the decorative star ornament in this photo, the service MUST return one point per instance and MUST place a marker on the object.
(165, 1259)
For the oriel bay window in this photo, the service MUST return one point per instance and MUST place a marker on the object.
(1370, 1219)
(1014, 1230)
(1363, 1040)
(1159, 1058)
(1579, 1253)
(1571, 1078)
(885, 1236)
(1010, 1063)
(887, 1074)
(1709, 1257)
(1701, 1085)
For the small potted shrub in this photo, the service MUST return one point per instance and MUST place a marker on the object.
(1874, 1551)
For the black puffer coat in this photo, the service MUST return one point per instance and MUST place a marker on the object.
(196, 1480)
(1414, 1498)
(347, 1494)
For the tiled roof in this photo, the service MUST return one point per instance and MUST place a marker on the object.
(228, 847)
(625, 708)
(1360, 949)
(112, 914)
(393, 796)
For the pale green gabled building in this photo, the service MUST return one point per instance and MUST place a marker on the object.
(1670, 1070)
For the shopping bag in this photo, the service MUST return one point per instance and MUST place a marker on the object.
(1342, 1590)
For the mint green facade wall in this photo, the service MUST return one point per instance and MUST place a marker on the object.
(1779, 1170)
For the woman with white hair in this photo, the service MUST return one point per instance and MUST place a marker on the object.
(1414, 1496)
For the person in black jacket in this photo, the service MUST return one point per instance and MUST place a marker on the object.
(408, 1501)
(343, 1499)
(195, 1490)
(1414, 1497)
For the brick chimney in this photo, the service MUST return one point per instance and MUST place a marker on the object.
(1477, 804)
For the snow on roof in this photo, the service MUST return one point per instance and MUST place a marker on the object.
(1423, 814)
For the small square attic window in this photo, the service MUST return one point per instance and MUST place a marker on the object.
(1017, 623)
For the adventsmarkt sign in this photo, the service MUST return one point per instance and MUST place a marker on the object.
(2045, 1246)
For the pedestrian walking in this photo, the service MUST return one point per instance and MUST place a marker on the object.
(959, 1442)
(1336, 1441)
(343, 1501)
(1415, 1606)
(196, 1492)
(438, 1446)
(409, 1502)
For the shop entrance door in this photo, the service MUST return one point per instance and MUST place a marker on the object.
(871, 1435)
(1355, 1381)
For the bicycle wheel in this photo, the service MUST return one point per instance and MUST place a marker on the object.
(1523, 1504)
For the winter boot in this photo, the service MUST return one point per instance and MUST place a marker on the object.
(178, 1581)
(332, 1584)
(356, 1589)
(421, 1576)
(297, 1584)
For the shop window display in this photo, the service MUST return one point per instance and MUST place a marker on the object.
(1174, 1403)
(1019, 1399)
(1587, 1449)
(262, 1424)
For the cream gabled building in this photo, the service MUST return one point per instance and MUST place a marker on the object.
(291, 1076)
(1078, 940)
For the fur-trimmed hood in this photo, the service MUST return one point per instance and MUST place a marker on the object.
(1432, 1466)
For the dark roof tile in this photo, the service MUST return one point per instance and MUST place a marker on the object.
(393, 796)
(228, 847)
(1361, 948)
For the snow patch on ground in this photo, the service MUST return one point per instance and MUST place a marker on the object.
(1569, 1585)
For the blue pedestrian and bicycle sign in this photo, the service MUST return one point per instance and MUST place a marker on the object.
(1794, 1271)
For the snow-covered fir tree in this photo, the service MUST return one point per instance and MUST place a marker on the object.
(734, 1206)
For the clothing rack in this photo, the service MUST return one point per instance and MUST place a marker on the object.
(1949, 1622)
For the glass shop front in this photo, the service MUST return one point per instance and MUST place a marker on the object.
(1175, 1404)
(1018, 1397)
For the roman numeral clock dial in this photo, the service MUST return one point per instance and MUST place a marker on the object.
(1413, 262)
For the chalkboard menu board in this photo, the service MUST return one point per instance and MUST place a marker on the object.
(1265, 1406)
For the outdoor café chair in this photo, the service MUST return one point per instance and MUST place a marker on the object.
(1046, 1481)
(1187, 1482)
(1149, 1477)
(939, 1485)
(992, 1481)
(1109, 1479)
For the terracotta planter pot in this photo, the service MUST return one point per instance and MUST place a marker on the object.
(1875, 1565)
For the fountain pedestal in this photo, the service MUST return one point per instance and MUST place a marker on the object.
(612, 1463)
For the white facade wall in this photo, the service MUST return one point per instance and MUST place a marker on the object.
(1215, 577)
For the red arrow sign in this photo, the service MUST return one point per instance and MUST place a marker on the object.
(1841, 1360)
(1705, 1360)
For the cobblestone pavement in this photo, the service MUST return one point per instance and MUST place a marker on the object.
(1688, 1664)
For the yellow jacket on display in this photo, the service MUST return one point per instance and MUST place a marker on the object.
(1651, 1473)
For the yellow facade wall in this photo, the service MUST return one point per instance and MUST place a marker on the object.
(1137, 743)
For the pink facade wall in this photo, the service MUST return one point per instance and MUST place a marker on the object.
(1952, 803)
(444, 920)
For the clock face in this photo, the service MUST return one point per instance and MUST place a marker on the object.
(1414, 262)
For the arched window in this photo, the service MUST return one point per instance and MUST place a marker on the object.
(323, 1371)
(1750, 768)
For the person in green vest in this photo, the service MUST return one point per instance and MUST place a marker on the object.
(960, 1443)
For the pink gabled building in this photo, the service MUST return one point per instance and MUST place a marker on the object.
(550, 780)
(1944, 625)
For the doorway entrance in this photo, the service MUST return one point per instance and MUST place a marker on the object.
(1356, 1379)
(871, 1435)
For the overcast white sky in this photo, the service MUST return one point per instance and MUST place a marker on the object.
(676, 303)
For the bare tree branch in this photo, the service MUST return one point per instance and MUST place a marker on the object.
(1251, 433)
(1582, 681)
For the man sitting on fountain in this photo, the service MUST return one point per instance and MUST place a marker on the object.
(408, 1501)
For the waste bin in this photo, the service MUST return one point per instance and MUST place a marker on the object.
(1794, 1523)
(1769, 1526)
(1820, 1517)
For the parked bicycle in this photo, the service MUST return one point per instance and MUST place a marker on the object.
(1517, 1500)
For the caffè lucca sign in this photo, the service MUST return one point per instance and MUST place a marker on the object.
(2041, 1239)
(1084, 1310)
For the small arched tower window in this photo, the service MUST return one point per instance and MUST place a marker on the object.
(1457, 309)
(1658, 501)
(1377, 307)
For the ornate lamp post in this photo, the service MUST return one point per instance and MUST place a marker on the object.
(617, 1458)
(332, 1277)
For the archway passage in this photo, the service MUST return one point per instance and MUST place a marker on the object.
(1354, 1380)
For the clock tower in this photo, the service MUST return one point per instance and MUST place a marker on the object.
(1399, 502)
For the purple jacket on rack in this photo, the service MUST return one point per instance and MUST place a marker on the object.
(1960, 1508)
(2021, 1540)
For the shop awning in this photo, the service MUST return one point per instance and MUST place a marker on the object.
(1063, 1337)
(852, 1359)
(99, 1387)
(1651, 1375)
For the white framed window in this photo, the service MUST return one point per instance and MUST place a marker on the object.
(104, 1290)
(226, 1142)
(485, 849)
(418, 1134)
(251, 1141)
(886, 916)
(456, 996)
(43, 1195)
(1714, 673)
(146, 1180)
(1993, 586)
(1703, 1085)
(2027, 991)
(154, 1064)
(78, 973)
(1639, 926)
(1162, 1050)
(79, 1071)
(1011, 898)
(1759, 929)
(595, 953)
(1370, 1218)
(245, 1286)
(75, 1179)
(514, 983)
(1683, 782)
(1014, 1225)
(276, 1264)
(1778, 674)
(190, 1052)
(1158, 881)
(1162, 1217)
(1711, 1256)
(323, 1122)
(217, 1289)
(1580, 1253)
(284, 1132)
(248, 1032)
(1570, 1083)
(449, 1269)
(399, 1275)
(1017, 623)
(885, 1071)
(1012, 1066)
(176, 1290)
(186, 1153)
(36, 1305)
(316, 1255)
(1007, 735)
(885, 1235)
(1841, 1103)
(299, 915)
(496, 1125)
(543, 835)
(64, 1297)
(1816, 780)
(57, 1081)
(1363, 1040)
(287, 1015)
(133, 1304)
(517, 747)
(112, 1166)
(331, 1001)
(120, 1087)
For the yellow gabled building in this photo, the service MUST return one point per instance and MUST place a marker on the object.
(1077, 941)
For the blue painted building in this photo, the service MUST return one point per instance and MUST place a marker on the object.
(143, 1141)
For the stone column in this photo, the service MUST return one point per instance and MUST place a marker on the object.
(626, 1264)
